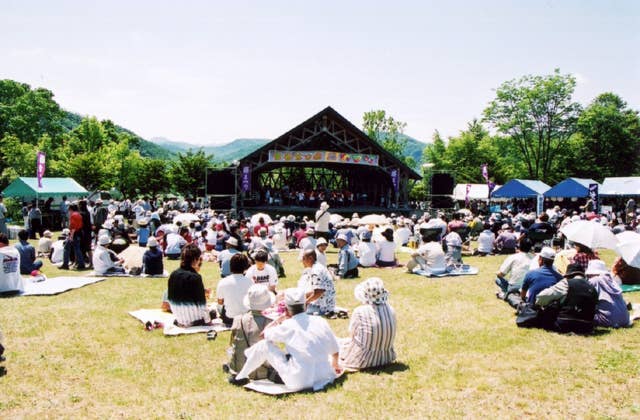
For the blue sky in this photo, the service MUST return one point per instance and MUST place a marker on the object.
(212, 71)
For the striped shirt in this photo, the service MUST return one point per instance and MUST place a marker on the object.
(373, 329)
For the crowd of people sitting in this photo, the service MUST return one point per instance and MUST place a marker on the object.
(552, 283)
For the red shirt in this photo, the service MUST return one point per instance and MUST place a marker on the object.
(75, 221)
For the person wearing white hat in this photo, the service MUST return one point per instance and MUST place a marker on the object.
(247, 331)
(57, 248)
(321, 249)
(372, 328)
(309, 343)
(323, 217)
(105, 261)
(152, 263)
(44, 244)
(347, 261)
(611, 310)
(306, 243)
(224, 257)
(539, 279)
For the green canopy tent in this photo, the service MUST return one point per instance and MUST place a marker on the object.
(26, 189)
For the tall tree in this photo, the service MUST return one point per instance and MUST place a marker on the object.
(388, 132)
(607, 142)
(188, 171)
(538, 115)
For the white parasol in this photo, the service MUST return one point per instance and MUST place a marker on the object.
(628, 236)
(373, 219)
(335, 218)
(185, 218)
(590, 234)
(257, 216)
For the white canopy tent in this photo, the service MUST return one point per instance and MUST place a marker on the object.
(476, 192)
(620, 186)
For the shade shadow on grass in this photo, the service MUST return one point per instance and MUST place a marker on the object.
(3, 371)
(387, 370)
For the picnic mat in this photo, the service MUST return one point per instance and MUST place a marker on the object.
(630, 288)
(56, 285)
(166, 318)
(471, 271)
(164, 275)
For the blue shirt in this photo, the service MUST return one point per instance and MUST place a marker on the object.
(143, 235)
(539, 279)
(27, 256)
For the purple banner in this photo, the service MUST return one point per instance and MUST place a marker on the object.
(246, 178)
(485, 172)
(40, 167)
(466, 196)
(395, 180)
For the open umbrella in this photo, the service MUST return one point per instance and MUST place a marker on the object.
(590, 234)
(257, 216)
(335, 218)
(630, 252)
(373, 219)
(185, 218)
(628, 236)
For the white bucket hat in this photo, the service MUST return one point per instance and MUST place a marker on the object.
(596, 267)
(258, 298)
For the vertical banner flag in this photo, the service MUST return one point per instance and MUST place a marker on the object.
(491, 186)
(395, 180)
(466, 196)
(540, 204)
(485, 172)
(593, 195)
(246, 178)
(40, 167)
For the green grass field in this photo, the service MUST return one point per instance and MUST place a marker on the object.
(460, 354)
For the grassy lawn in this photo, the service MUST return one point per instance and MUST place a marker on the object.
(79, 354)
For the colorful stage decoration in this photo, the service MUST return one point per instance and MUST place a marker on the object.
(322, 156)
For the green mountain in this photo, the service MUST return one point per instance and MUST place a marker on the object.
(221, 153)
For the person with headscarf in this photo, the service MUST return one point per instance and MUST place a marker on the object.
(611, 310)
(372, 327)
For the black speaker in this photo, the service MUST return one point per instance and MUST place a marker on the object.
(442, 184)
(441, 202)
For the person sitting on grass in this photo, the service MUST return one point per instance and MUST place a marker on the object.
(570, 304)
(186, 294)
(261, 272)
(372, 328)
(28, 262)
(321, 249)
(512, 271)
(44, 244)
(539, 279)
(310, 359)
(611, 310)
(507, 241)
(317, 283)
(624, 273)
(175, 243)
(347, 260)
(366, 250)
(56, 255)
(224, 257)
(386, 250)
(429, 256)
(485, 241)
(106, 261)
(152, 263)
(232, 289)
(247, 331)
(10, 279)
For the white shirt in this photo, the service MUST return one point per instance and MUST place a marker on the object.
(102, 260)
(366, 254)
(386, 251)
(322, 221)
(58, 252)
(434, 255)
(233, 289)
(310, 341)
(403, 234)
(10, 279)
(175, 243)
(515, 266)
(267, 275)
(485, 241)
(321, 258)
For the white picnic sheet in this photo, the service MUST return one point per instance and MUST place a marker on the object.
(56, 285)
(268, 387)
(164, 275)
(471, 271)
(167, 318)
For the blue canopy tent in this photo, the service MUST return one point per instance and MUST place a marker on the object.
(570, 187)
(521, 188)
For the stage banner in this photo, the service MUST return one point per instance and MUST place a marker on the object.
(539, 204)
(40, 167)
(322, 156)
(466, 195)
(246, 178)
(593, 195)
(395, 179)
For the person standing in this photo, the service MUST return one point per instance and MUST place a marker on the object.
(64, 212)
(323, 217)
(75, 233)
(35, 220)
